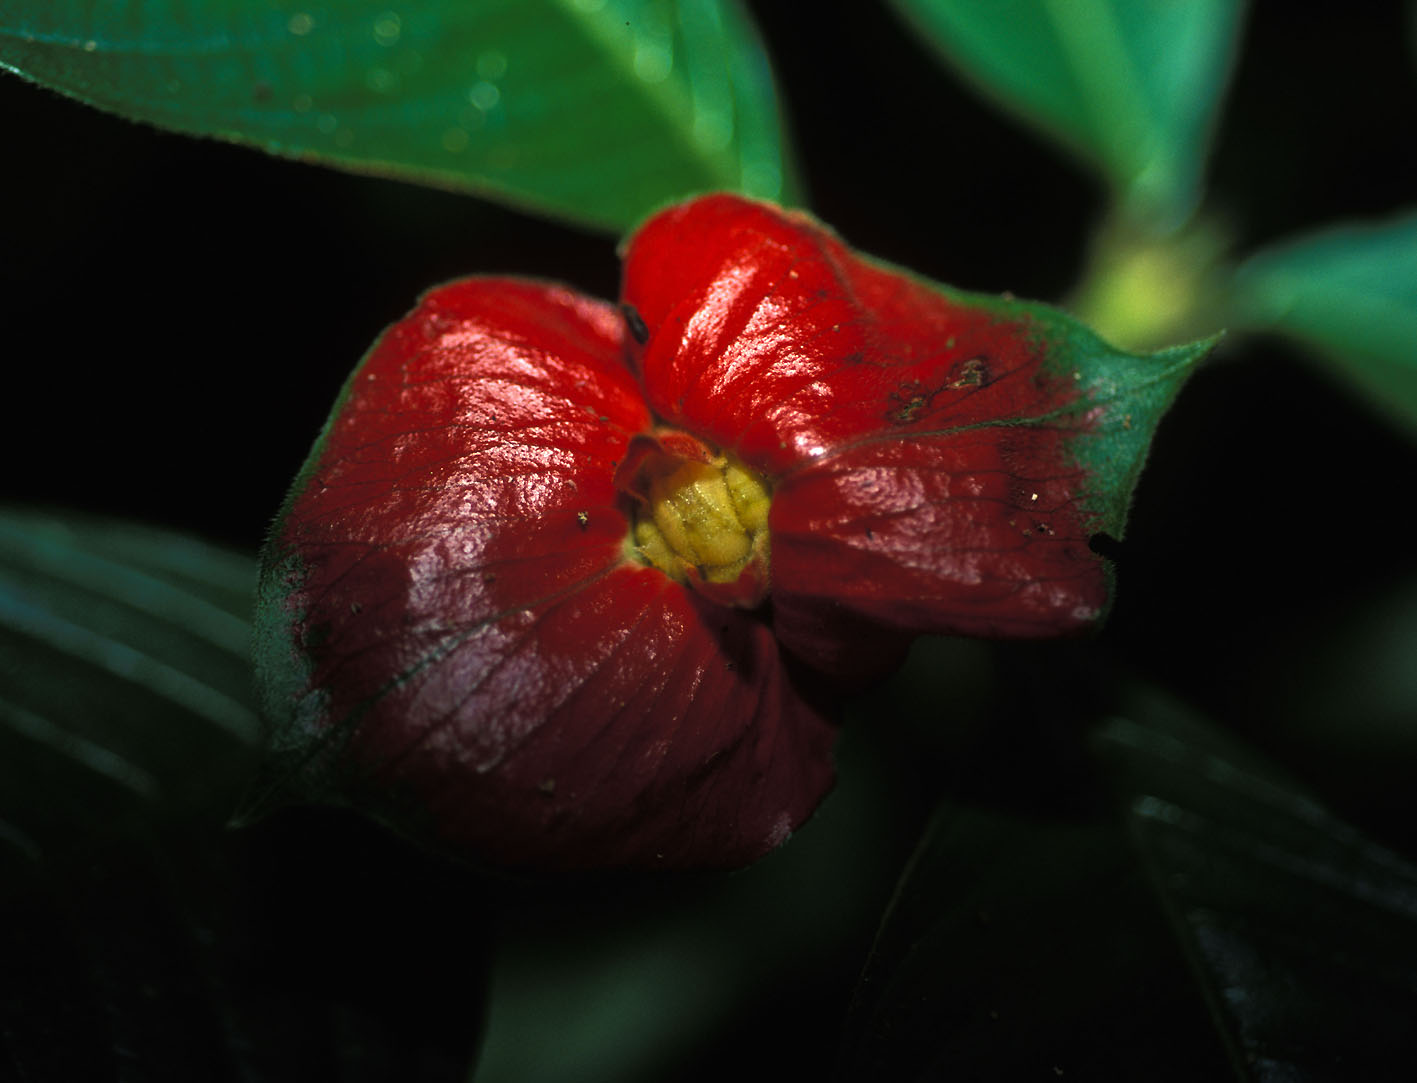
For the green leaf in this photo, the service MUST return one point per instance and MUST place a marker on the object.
(1023, 948)
(312, 948)
(1132, 86)
(125, 679)
(1222, 913)
(637, 978)
(591, 110)
(138, 933)
(1302, 932)
(1350, 292)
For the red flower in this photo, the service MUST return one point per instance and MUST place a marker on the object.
(562, 584)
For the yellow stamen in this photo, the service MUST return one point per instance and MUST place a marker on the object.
(711, 516)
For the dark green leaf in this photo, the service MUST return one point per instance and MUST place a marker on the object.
(1351, 293)
(311, 948)
(638, 978)
(1021, 948)
(591, 110)
(125, 679)
(1094, 947)
(1131, 85)
(1302, 932)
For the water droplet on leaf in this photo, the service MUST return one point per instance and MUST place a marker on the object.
(387, 29)
(484, 95)
(492, 65)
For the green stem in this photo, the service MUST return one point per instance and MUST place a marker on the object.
(1144, 290)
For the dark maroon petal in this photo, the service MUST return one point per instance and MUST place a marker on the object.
(966, 536)
(624, 723)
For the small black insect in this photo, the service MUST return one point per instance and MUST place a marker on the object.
(1105, 546)
(638, 331)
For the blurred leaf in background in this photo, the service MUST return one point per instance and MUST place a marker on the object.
(1215, 913)
(595, 111)
(1301, 931)
(1022, 947)
(1133, 86)
(1348, 292)
(699, 977)
(125, 674)
(307, 948)
(140, 938)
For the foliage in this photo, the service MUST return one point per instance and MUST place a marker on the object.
(1102, 880)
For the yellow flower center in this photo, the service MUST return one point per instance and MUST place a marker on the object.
(703, 523)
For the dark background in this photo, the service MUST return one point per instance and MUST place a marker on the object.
(180, 313)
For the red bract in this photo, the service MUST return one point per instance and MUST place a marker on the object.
(558, 584)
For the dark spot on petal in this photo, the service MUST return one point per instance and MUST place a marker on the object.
(909, 401)
(908, 410)
(635, 324)
(970, 373)
(583, 519)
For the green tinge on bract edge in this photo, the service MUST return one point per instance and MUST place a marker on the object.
(1132, 391)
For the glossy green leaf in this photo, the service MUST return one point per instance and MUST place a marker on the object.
(591, 110)
(1133, 86)
(125, 679)
(1302, 932)
(1350, 292)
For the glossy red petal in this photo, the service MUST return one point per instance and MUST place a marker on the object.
(918, 440)
(624, 723)
(449, 631)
